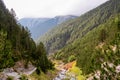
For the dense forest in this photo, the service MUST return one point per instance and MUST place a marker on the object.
(93, 40)
(96, 44)
(16, 44)
(69, 31)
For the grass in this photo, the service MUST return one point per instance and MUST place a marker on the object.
(48, 76)
(23, 77)
(77, 72)
(10, 78)
(35, 76)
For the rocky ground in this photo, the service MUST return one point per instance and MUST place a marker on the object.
(16, 71)
(64, 71)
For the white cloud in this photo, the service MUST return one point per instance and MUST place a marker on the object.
(51, 8)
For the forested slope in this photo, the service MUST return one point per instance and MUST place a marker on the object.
(16, 44)
(96, 44)
(93, 40)
(71, 30)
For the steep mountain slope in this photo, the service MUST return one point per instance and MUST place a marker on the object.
(39, 26)
(96, 47)
(16, 45)
(97, 51)
(69, 31)
(14, 39)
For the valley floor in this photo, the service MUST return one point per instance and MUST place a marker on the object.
(68, 71)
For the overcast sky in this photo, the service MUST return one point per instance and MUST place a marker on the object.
(51, 8)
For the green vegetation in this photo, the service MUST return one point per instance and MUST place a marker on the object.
(86, 49)
(89, 38)
(48, 76)
(92, 39)
(23, 77)
(16, 44)
(42, 76)
(77, 72)
(10, 78)
(41, 60)
(67, 32)
(71, 58)
(5, 51)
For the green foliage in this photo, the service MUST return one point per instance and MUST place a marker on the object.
(71, 58)
(118, 22)
(40, 60)
(10, 78)
(16, 44)
(105, 59)
(23, 77)
(86, 49)
(67, 32)
(42, 76)
(103, 35)
(82, 37)
(5, 51)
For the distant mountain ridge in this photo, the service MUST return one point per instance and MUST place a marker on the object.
(80, 39)
(66, 33)
(39, 26)
(31, 22)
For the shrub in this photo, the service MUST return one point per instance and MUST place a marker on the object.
(10, 78)
(71, 58)
(23, 77)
